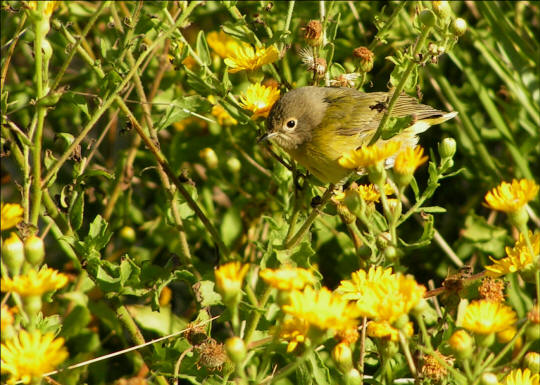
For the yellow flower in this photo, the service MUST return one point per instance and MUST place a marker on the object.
(30, 355)
(223, 44)
(368, 192)
(49, 8)
(259, 99)
(521, 377)
(407, 161)
(223, 117)
(519, 257)
(288, 278)
(486, 317)
(386, 331)
(35, 282)
(229, 278)
(294, 331)
(321, 309)
(367, 156)
(12, 214)
(246, 57)
(461, 343)
(381, 295)
(511, 197)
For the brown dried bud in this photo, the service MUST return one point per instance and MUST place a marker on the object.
(211, 354)
(195, 334)
(313, 32)
(365, 57)
(320, 66)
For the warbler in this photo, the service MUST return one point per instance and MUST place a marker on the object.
(317, 125)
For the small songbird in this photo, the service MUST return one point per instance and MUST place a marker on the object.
(317, 125)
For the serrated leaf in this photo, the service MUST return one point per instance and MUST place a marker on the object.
(205, 293)
(202, 49)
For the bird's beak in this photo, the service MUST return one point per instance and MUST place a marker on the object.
(267, 136)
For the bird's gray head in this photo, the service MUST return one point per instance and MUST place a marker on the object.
(294, 116)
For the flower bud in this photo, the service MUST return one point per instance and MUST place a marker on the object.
(210, 158)
(34, 250)
(459, 27)
(365, 58)
(127, 233)
(32, 305)
(489, 379)
(13, 254)
(342, 356)
(427, 18)
(442, 9)
(234, 165)
(377, 173)
(532, 332)
(447, 148)
(534, 315)
(313, 33)
(461, 343)
(236, 349)
(532, 361)
(353, 377)
(402, 322)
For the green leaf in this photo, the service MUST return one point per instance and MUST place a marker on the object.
(75, 321)
(78, 100)
(163, 322)
(76, 211)
(483, 236)
(182, 109)
(205, 294)
(202, 49)
(231, 226)
(98, 235)
(433, 209)
(395, 125)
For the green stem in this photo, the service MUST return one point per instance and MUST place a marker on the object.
(41, 111)
(406, 350)
(401, 85)
(426, 339)
(310, 219)
(257, 315)
(387, 25)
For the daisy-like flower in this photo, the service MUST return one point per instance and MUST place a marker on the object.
(246, 57)
(12, 214)
(223, 44)
(521, 377)
(30, 355)
(321, 309)
(35, 283)
(511, 197)
(486, 317)
(367, 156)
(518, 257)
(229, 279)
(386, 331)
(259, 99)
(294, 330)
(381, 295)
(409, 160)
(288, 278)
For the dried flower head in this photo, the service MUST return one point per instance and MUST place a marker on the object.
(433, 369)
(365, 57)
(313, 32)
(212, 355)
(345, 80)
(492, 289)
(313, 63)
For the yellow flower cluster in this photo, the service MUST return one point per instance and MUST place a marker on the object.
(288, 278)
(511, 197)
(518, 257)
(486, 317)
(259, 100)
(35, 282)
(28, 356)
(11, 215)
(321, 309)
(238, 55)
(382, 295)
(368, 155)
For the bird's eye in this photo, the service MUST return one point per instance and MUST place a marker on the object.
(291, 124)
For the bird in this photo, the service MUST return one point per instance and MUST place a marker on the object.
(317, 125)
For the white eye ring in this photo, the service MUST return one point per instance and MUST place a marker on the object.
(290, 125)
